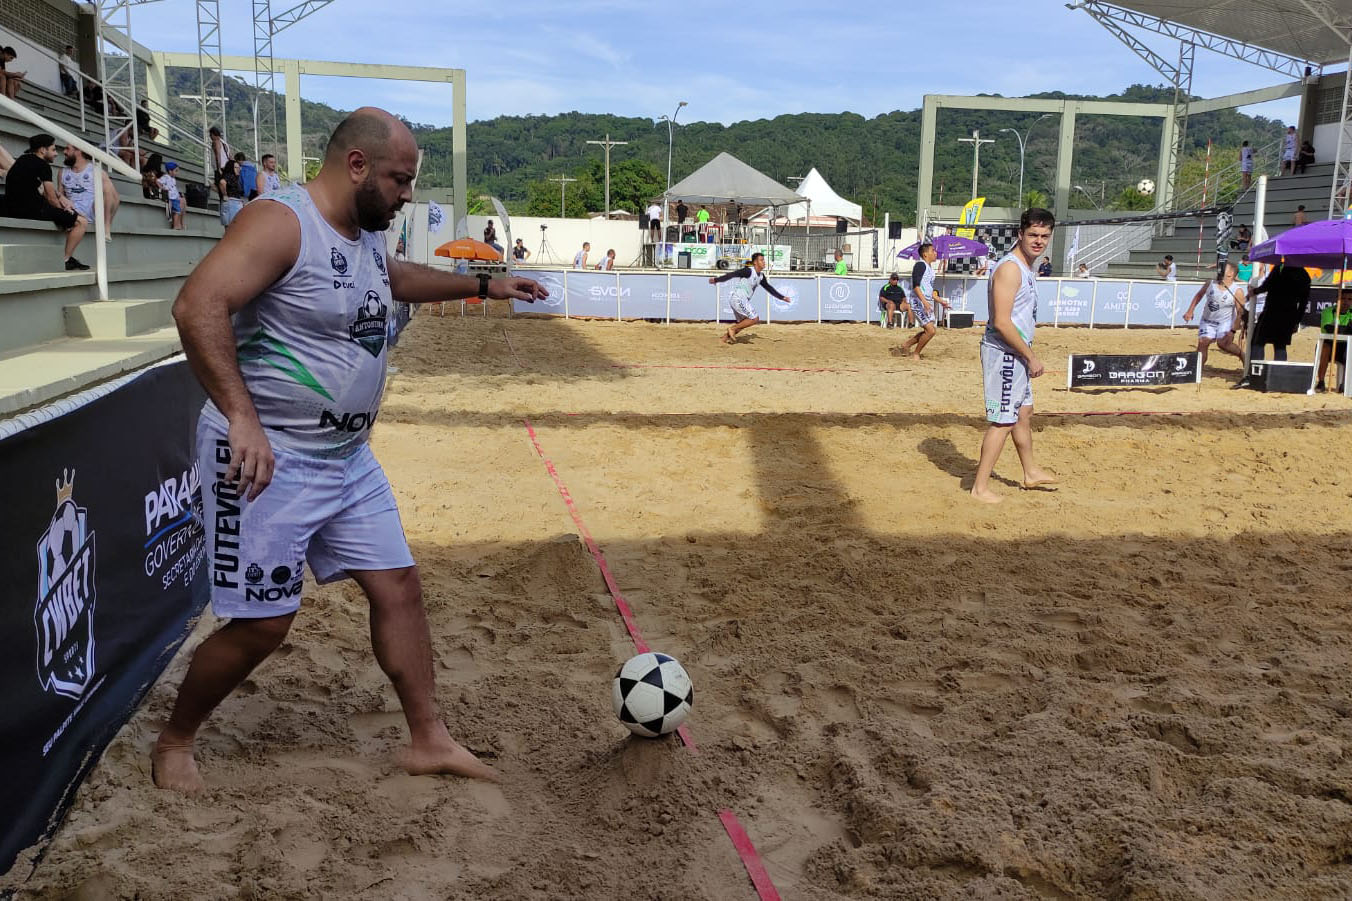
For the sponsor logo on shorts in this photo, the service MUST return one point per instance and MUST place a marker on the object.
(369, 328)
(1006, 382)
(64, 614)
(225, 541)
(254, 574)
(287, 582)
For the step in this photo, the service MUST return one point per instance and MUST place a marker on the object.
(16, 284)
(40, 373)
(26, 259)
(116, 318)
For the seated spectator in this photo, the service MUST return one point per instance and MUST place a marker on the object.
(70, 71)
(1082, 271)
(607, 261)
(248, 177)
(173, 201)
(1306, 157)
(1300, 217)
(147, 131)
(519, 252)
(150, 175)
(231, 191)
(1242, 239)
(6, 160)
(10, 80)
(77, 185)
(31, 194)
(1166, 269)
(491, 237)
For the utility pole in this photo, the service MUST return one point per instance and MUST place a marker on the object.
(976, 141)
(563, 190)
(608, 143)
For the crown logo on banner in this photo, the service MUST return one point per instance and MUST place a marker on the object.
(65, 486)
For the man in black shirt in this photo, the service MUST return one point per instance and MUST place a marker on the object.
(31, 194)
(681, 211)
(892, 299)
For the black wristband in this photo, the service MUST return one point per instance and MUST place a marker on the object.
(483, 285)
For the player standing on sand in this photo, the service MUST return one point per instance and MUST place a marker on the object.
(739, 300)
(1223, 309)
(1008, 364)
(925, 301)
(294, 384)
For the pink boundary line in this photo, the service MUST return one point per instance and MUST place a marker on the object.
(755, 869)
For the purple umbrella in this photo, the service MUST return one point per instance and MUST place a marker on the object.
(948, 247)
(1326, 245)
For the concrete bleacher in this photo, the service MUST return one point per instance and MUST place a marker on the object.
(58, 337)
(1284, 194)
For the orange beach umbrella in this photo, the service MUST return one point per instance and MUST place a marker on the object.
(468, 249)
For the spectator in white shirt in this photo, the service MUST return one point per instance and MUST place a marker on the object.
(580, 258)
(607, 261)
(655, 220)
(1167, 269)
(70, 71)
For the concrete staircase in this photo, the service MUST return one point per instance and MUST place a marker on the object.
(57, 336)
(1283, 196)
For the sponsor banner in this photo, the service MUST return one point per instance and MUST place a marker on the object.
(1072, 305)
(553, 283)
(777, 256)
(1152, 303)
(643, 297)
(1133, 370)
(593, 294)
(1110, 306)
(692, 297)
(104, 570)
(846, 299)
(801, 305)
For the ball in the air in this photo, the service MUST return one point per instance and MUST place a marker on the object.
(1146, 186)
(652, 694)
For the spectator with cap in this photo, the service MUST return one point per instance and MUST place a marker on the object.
(172, 199)
(892, 301)
(30, 193)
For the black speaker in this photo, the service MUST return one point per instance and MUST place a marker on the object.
(1281, 377)
(841, 226)
(894, 231)
(643, 221)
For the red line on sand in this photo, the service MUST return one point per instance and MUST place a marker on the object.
(740, 840)
(741, 368)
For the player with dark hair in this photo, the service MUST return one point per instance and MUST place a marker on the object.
(1008, 364)
(1223, 310)
(749, 278)
(925, 301)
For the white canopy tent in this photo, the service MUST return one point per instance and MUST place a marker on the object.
(823, 204)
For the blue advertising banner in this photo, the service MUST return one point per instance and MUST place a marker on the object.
(594, 294)
(105, 569)
(693, 298)
(643, 297)
(1110, 307)
(845, 299)
(760, 301)
(1152, 303)
(1073, 304)
(801, 305)
(553, 283)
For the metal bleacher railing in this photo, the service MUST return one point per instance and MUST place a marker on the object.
(100, 159)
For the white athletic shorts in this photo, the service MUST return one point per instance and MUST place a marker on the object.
(923, 317)
(1008, 387)
(337, 514)
(741, 306)
(1215, 330)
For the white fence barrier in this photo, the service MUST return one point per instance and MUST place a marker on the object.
(677, 296)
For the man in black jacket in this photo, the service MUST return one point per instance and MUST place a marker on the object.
(1288, 291)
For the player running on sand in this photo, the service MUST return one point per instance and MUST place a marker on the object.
(925, 302)
(1008, 364)
(1223, 309)
(749, 277)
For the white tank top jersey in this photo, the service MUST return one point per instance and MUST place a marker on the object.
(312, 347)
(1024, 313)
(79, 187)
(1220, 303)
(272, 182)
(927, 281)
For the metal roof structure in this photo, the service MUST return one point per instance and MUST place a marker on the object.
(1317, 31)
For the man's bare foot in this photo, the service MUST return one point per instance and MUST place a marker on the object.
(729, 337)
(172, 767)
(445, 756)
(1040, 478)
(986, 496)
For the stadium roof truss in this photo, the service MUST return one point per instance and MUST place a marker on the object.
(1293, 37)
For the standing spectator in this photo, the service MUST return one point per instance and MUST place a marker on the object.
(1044, 269)
(77, 186)
(607, 262)
(519, 251)
(268, 180)
(1287, 289)
(1246, 163)
(70, 71)
(1300, 217)
(172, 199)
(491, 236)
(580, 258)
(1343, 327)
(248, 177)
(681, 211)
(841, 267)
(31, 194)
(231, 191)
(220, 151)
(10, 80)
(1305, 157)
(1166, 269)
(655, 221)
(143, 126)
(1289, 151)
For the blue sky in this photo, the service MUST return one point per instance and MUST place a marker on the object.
(762, 60)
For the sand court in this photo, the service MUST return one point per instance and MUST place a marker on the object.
(1134, 685)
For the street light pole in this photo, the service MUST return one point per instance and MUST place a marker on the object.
(671, 121)
(976, 141)
(607, 144)
(563, 191)
(1022, 139)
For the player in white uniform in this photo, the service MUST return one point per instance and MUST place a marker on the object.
(1220, 314)
(294, 386)
(924, 301)
(1008, 363)
(747, 280)
(77, 183)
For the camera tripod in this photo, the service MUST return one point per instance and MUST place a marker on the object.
(545, 251)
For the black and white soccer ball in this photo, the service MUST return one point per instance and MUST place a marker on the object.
(652, 694)
(1146, 186)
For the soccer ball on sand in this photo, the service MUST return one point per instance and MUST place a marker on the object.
(652, 694)
(1146, 186)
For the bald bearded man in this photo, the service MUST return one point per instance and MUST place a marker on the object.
(285, 324)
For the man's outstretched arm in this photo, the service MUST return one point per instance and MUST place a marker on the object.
(416, 283)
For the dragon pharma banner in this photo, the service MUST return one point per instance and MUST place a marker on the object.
(1133, 370)
(101, 575)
